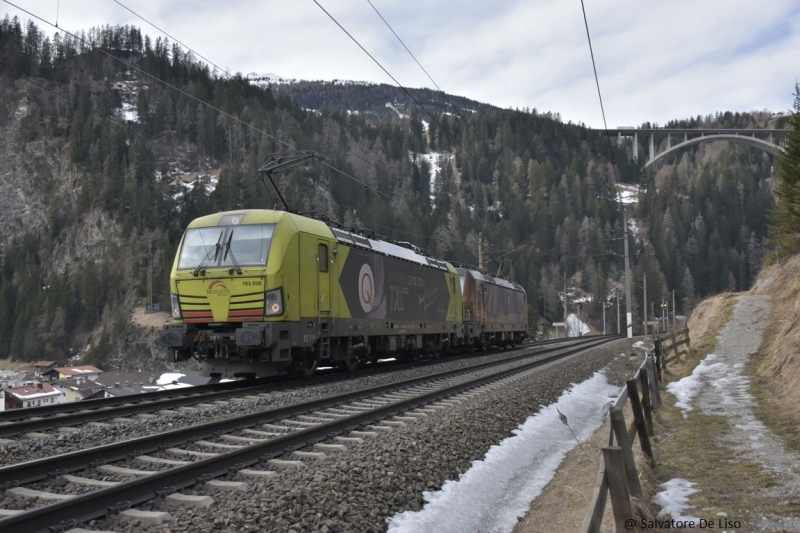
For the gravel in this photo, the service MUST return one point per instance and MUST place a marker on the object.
(26, 449)
(357, 490)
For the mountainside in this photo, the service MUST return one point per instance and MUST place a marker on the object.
(103, 165)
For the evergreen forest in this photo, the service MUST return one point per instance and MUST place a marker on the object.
(113, 141)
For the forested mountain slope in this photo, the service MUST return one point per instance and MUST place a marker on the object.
(109, 149)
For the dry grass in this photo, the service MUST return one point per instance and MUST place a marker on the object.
(566, 499)
(776, 367)
(16, 366)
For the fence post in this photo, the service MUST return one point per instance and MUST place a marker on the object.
(621, 433)
(644, 440)
(655, 393)
(647, 406)
(659, 355)
(617, 486)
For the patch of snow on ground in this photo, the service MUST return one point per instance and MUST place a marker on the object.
(634, 229)
(647, 347)
(496, 491)
(576, 327)
(129, 112)
(628, 193)
(393, 108)
(674, 499)
(168, 380)
(687, 388)
(435, 161)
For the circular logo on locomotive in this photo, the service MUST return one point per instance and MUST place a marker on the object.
(366, 288)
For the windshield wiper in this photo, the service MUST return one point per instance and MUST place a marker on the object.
(233, 257)
(214, 251)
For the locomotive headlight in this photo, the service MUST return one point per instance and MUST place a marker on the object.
(176, 305)
(273, 302)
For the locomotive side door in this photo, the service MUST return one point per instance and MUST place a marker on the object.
(324, 277)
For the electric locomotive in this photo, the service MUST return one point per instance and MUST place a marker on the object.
(260, 292)
(495, 310)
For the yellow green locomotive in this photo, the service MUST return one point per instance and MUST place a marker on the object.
(260, 292)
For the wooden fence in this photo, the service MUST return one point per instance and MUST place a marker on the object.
(618, 476)
(671, 343)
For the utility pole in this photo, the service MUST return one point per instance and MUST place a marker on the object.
(566, 326)
(149, 308)
(628, 299)
(618, 324)
(673, 311)
(480, 251)
(645, 306)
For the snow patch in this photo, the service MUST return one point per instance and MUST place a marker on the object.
(394, 108)
(496, 491)
(576, 327)
(628, 193)
(687, 388)
(436, 161)
(674, 499)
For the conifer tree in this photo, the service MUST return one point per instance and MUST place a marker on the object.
(785, 217)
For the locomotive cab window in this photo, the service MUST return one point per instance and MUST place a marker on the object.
(322, 256)
(248, 245)
(226, 246)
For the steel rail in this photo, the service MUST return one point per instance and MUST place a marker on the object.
(137, 404)
(98, 503)
(38, 469)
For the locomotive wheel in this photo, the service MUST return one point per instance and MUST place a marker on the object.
(352, 362)
(305, 364)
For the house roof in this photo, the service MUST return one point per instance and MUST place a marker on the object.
(78, 370)
(43, 364)
(76, 385)
(27, 392)
(109, 379)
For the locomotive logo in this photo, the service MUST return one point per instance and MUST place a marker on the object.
(366, 288)
(218, 287)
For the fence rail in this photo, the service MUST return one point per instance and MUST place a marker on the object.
(618, 475)
(672, 343)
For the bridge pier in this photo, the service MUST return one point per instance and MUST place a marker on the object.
(636, 147)
(652, 148)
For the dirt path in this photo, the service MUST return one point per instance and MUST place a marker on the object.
(720, 387)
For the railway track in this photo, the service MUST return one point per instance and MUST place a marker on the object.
(164, 463)
(23, 421)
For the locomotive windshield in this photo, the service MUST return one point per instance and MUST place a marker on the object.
(246, 245)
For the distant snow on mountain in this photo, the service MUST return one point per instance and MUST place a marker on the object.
(269, 77)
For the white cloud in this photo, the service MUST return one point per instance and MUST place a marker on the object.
(656, 60)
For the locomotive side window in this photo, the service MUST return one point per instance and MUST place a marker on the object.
(322, 256)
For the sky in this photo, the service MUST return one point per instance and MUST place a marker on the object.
(656, 61)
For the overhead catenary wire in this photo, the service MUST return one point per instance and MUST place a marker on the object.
(70, 100)
(458, 112)
(226, 73)
(177, 89)
(408, 93)
(141, 17)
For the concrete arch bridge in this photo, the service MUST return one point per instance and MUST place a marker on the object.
(773, 141)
